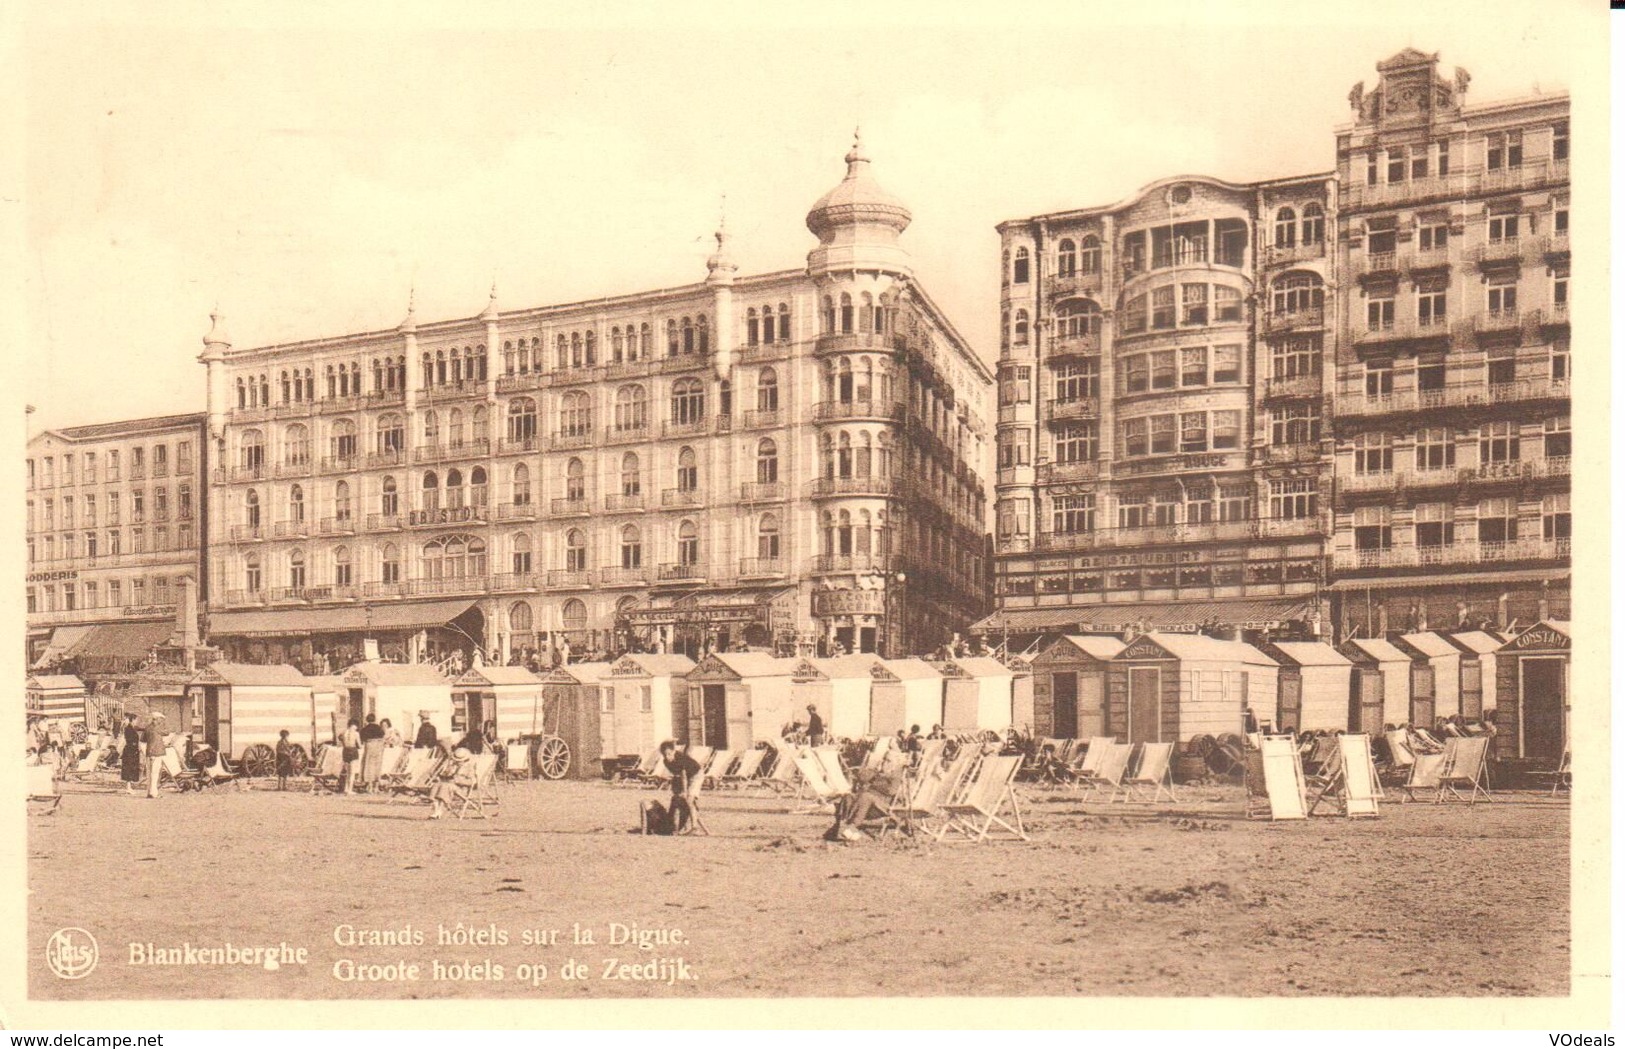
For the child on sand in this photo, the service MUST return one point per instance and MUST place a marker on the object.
(284, 761)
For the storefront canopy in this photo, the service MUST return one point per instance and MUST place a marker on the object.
(350, 619)
(130, 641)
(1169, 615)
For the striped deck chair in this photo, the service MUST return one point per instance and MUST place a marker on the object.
(395, 765)
(925, 791)
(327, 769)
(718, 766)
(1466, 767)
(829, 759)
(1086, 770)
(423, 772)
(746, 769)
(1112, 768)
(815, 784)
(1154, 773)
(975, 813)
(42, 788)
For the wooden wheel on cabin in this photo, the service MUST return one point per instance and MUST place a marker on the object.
(553, 757)
(258, 760)
(298, 761)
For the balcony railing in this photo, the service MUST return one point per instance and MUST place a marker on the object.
(336, 526)
(395, 589)
(245, 532)
(762, 418)
(1086, 345)
(476, 448)
(1405, 329)
(828, 411)
(681, 497)
(628, 432)
(1080, 408)
(516, 511)
(1292, 320)
(1497, 321)
(568, 507)
(285, 529)
(1507, 249)
(619, 502)
(569, 579)
(680, 572)
(565, 439)
(383, 522)
(342, 464)
(1305, 452)
(1553, 245)
(1378, 263)
(474, 584)
(390, 457)
(1456, 396)
(1462, 553)
(758, 567)
(761, 492)
(1084, 470)
(852, 563)
(1553, 317)
(300, 468)
(685, 427)
(516, 581)
(510, 445)
(621, 576)
(880, 487)
(245, 597)
(1293, 386)
(1198, 532)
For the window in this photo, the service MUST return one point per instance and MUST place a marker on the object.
(1133, 318)
(631, 475)
(1193, 303)
(1077, 381)
(1193, 432)
(431, 492)
(1162, 434)
(1497, 521)
(253, 454)
(1162, 307)
(1017, 385)
(1560, 141)
(1077, 318)
(575, 481)
(1397, 167)
(1435, 528)
(1433, 236)
(1089, 255)
(1077, 442)
(1135, 441)
(1136, 374)
(253, 581)
(1226, 430)
(767, 462)
(1430, 308)
(1294, 358)
(767, 538)
(1014, 449)
(1019, 272)
(1444, 156)
(1558, 444)
(1226, 303)
(1498, 443)
(1295, 424)
(575, 415)
(1286, 228)
(522, 419)
(1298, 293)
(631, 547)
(342, 570)
(1374, 453)
(1503, 297)
(688, 472)
(1504, 150)
(343, 441)
(1554, 517)
(1379, 379)
(1372, 529)
(631, 408)
(1072, 514)
(1379, 313)
(687, 402)
(1314, 224)
(688, 544)
(1226, 364)
(767, 390)
(1023, 325)
(454, 557)
(1435, 449)
(1560, 363)
(1134, 253)
(1163, 374)
(1293, 499)
(1503, 228)
(1193, 366)
(1066, 259)
(390, 564)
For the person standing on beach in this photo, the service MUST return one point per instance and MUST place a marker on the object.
(372, 752)
(130, 755)
(155, 751)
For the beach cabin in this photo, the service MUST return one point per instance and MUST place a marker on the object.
(1380, 688)
(904, 693)
(1168, 688)
(1435, 671)
(57, 698)
(643, 691)
(1478, 684)
(738, 699)
(332, 699)
(584, 713)
(398, 691)
(975, 694)
(1021, 692)
(1532, 691)
(1069, 686)
(838, 687)
(244, 705)
(1314, 687)
(527, 707)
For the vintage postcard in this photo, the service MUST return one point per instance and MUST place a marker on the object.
(894, 516)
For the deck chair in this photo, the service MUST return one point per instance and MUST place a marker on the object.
(1400, 755)
(786, 775)
(633, 775)
(1466, 767)
(516, 761)
(42, 787)
(1348, 777)
(975, 813)
(1275, 781)
(720, 763)
(1424, 775)
(327, 770)
(815, 784)
(1563, 776)
(422, 776)
(175, 771)
(474, 787)
(392, 765)
(218, 775)
(931, 752)
(1154, 774)
(924, 793)
(829, 759)
(746, 769)
(1113, 767)
(1085, 770)
(876, 755)
(88, 765)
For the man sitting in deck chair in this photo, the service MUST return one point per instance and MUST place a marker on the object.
(874, 790)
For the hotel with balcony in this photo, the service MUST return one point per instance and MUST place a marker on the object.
(1452, 379)
(1160, 457)
(793, 460)
(114, 539)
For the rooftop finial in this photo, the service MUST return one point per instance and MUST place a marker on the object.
(490, 311)
(721, 265)
(217, 329)
(410, 323)
(856, 153)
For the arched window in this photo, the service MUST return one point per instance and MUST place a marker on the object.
(843, 455)
(866, 313)
(767, 538)
(1022, 325)
(1066, 258)
(631, 475)
(253, 448)
(767, 461)
(337, 382)
(575, 414)
(431, 491)
(456, 374)
(784, 322)
(573, 616)
(289, 388)
(1021, 270)
(688, 335)
(428, 369)
(431, 427)
(631, 408)
(296, 504)
(521, 485)
(702, 335)
(522, 420)
(454, 489)
(521, 554)
(753, 328)
(251, 509)
(242, 394)
(673, 344)
(828, 315)
(1298, 291)
(883, 457)
(296, 445)
(341, 502)
(521, 624)
(844, 387)
(767, 390)
(687, 402)
(342, 444)
(389, 564)
(688, 543)
(646, 341)
(296, 571)
(575, 551)
(617, 344)
(563, 343)
(389, 503)
(688, 472)
(575, 481)
(1077, 318)
(341, 567)
(631, 547)
(454, 557)
(865, 455)
(1314, 224)
(848, 322)
(1089, 255)
(482, 425)
(1286, 228)
(253, 580)
(863, 377)
(454, 429)
(391, 435)
(590, 345)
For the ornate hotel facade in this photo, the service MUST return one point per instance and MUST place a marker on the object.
(793, 460)
(1336, 401)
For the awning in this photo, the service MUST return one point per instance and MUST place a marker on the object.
(349, 619)
(63, 638)
(1167, 615)
(1522, 575)
(121, 641)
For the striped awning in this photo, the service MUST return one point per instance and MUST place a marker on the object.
(1167, 615)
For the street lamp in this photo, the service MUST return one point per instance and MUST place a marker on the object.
(894, 629)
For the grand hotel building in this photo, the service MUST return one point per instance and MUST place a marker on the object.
(794, 460)
(1328, 403)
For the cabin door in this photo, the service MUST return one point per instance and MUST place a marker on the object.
(714, 708)
(1541, 704)
(1065, 689)
(1367, 713)
(1422, 696)
(1145, 705)
(1289, 716)
(1472, 688)
(216, 730)
(358, 707)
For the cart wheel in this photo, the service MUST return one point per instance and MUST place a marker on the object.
(553, 758)
(298, 760)
(259, 760)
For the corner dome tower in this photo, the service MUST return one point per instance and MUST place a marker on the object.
(857, 224)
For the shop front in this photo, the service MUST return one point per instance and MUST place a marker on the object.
(711, 621)
(1532, 720)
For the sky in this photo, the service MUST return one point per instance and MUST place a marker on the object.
(303, 175)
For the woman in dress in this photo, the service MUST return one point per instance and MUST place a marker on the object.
(372, 752)
(351, 744)
(130, 755)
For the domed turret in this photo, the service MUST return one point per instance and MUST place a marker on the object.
(720, 267)
(216, 341)
(857, 224)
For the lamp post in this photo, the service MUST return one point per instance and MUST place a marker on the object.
(894, 628)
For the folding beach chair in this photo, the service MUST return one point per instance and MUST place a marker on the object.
(1424, 775)
(786, 775)
(718, 766)
(1275, 777)
(395, 765)
(175, 772)
(474, 787)
(925, 790)
(42, 787)
(815, 784)
(990, 791)
(1400, 756)
(876, 757)
(1349, 777)
(217, 774)
(1113, 767)
(1563, 776)
(633, 775)
(829, 759)
(746, 769)
(1085, 770)
(516, 761)
(423, 772)
(1154, 773)
(1466, 767)
(327, 770)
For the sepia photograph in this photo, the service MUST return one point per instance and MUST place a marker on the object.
(1061, 512)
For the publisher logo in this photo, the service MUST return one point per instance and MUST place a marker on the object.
(71, 953)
